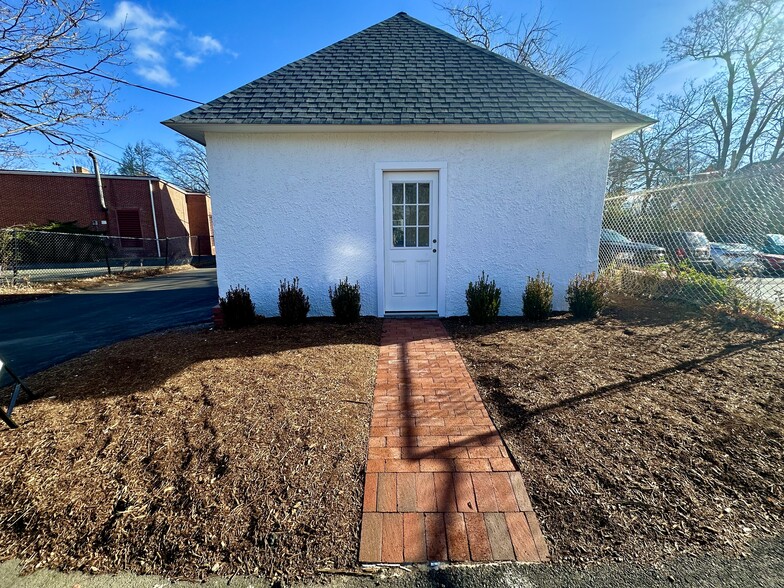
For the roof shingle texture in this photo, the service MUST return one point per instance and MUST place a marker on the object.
(404, 72)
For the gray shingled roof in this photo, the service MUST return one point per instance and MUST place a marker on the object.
(402, 71)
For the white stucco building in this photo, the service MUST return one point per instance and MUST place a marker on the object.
(410, 161)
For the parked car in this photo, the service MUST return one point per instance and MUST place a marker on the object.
(773, 263)
(774, 244)
(735, 258)
(692, 247)
(615, 247)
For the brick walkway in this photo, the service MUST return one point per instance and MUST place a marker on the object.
(439, 483)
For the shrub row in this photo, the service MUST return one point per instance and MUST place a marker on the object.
(293, 304)
(586, 297)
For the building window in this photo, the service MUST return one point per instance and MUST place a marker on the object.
(410, 214)
(130, 228)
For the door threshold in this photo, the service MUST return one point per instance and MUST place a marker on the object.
(429, 314)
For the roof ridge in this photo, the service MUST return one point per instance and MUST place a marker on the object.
(525, 68)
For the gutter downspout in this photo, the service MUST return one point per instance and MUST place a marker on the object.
(98, 181)
(154, 219)
(102, 201)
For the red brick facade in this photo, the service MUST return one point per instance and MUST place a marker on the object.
(200, 220)
(40, 197)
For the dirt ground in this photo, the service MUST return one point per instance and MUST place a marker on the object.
(648, 432)
(194, 453)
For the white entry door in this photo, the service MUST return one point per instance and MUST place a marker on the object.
(411, 241)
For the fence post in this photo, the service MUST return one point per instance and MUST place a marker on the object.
(14, 256)
(166, 263)
(106, 245)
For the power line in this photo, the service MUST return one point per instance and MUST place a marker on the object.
(127, 83)
(114, 79)
(69, 141)
(59, 140)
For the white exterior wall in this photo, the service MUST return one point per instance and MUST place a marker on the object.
(305, 204)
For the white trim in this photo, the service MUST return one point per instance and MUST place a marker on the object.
(393, 166)
(196, 131)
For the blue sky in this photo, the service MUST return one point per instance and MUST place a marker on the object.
(202, 50)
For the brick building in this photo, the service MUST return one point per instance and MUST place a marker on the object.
(134, 208)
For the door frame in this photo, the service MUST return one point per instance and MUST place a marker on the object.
(411, 166)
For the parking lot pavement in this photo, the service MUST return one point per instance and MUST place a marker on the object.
(38, 334)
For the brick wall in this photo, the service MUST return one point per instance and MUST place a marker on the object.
(200, 222)
(38, 198)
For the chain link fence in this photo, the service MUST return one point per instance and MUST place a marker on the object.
(715, 241)
(30, 256)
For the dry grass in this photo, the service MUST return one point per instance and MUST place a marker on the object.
(25, 290)
(645, 433)
(195, 452)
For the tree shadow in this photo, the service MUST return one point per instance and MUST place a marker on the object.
(518, 417)
(147, 362)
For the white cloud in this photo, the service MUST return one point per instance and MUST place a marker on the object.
(208, 44)
(197, 47)
(158, 74)
(189, 61)
(155, 37)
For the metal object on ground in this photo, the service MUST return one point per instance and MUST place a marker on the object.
(19, 387)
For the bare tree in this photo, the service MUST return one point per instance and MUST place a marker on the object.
(52, 54)
(530, 41)
(185, 166)
(669, 150)
(776, 139)
(138, 159)
(745, 38)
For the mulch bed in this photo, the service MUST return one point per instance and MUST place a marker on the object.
(645, 433)
(195, 452)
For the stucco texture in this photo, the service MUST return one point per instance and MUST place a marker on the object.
(304, 204)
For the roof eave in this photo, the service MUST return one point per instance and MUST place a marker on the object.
(632, 127)
(189, 130)
(197, 130)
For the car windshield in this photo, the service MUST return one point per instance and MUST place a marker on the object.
(614, 236)
(697, 239)
(733, 247)
(776, 239)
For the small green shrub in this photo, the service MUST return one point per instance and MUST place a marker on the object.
(681, 282)
(345, 301)
(293, 305)
(237, 307)
(483, 299)
(587, 295)
(538, 298)
(700, 288)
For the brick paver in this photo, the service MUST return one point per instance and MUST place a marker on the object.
(439, 482)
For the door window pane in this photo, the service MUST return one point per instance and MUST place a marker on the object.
(411, 215)
(411, 193)
(397, 237)
(397, 193)
(424, 214)
(424, 236)
(424, 193)
(397, 216)
(411, 236)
